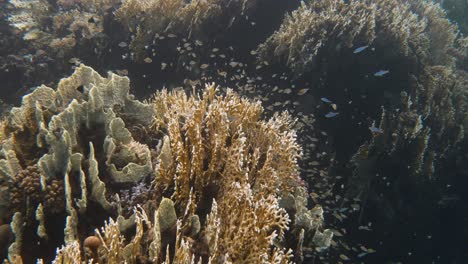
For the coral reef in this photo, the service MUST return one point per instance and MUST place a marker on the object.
(153, 19)
(408, 28)
(318, 26)
(379, 93)
(231, 179)
(58, 27)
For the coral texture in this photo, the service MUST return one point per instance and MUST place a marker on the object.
(411, 28)
(193, 19)
(231, 179)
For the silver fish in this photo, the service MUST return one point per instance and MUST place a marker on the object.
(360, 49)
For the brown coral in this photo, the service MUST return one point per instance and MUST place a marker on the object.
(54, 197)
(25, 186)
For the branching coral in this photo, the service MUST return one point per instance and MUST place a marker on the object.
(429, 123)
(411, 28)
(216, 128)
(316, 26)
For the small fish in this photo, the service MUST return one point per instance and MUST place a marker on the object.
(360, 255)
(122, 44)
(360, 49)
(302, 91)
(326, 100)
(364, 228)
(204, 66)
(381, 73)
(171, 35)
(148, 60)
(163, 65)
(331, 114)
(375, 129)
(344, 257)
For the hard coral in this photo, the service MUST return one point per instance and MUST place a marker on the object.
(222, 166)
(25, 186)
(410, 28)
(197, 19)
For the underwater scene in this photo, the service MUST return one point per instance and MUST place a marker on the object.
(234, 131)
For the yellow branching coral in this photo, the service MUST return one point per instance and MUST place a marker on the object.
(215, 141)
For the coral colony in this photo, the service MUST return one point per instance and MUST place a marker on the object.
(193, 178)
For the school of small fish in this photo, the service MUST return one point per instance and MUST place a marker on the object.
(202, 62)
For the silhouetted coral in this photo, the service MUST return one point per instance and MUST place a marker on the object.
(151, 19)
(25, 186)
(57, 27)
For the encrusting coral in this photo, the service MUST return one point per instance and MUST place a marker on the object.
(178, 179)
